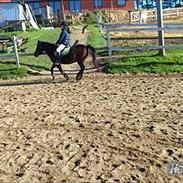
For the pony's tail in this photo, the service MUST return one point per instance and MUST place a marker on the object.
(94, 55)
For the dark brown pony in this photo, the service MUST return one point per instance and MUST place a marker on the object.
(77, 53)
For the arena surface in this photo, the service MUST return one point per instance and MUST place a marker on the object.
(104, 128)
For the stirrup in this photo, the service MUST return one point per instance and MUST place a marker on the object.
(55, 53)
(58, 62)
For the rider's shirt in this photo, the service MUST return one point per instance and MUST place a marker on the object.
(64, 37)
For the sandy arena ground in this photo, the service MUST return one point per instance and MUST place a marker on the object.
(104, 128)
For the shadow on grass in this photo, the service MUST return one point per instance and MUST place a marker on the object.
(3, 51)
(12, 69)
(36, 66)
(31, 83)
(140, 56)
(103, 51)
(148, 64)
(149, 67)
(23, 64)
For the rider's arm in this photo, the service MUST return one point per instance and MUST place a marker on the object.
(61, 37)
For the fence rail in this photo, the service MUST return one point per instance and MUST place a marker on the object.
(118, 28)
(16, 56)
(119, 48)
(146, 29)
(135, 16)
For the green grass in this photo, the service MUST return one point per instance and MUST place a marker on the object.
(130, 62)
(42, 62)
(8, 67)
(10, 71)
(149, 62)
(95, 38)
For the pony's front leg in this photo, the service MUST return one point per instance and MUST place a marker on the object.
(52, 74)
(62, 72)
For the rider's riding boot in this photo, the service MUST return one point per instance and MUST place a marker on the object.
(58, 60)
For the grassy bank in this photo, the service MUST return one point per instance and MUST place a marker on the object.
(8, 67)
(147, 61)
(129, 61)
(95, 38)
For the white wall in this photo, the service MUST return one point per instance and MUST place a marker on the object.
(10, 11)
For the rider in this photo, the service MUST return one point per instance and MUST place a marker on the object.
(64, 39)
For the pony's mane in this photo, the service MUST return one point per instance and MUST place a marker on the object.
(48, 45)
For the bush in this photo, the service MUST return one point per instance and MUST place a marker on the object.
(90, 18)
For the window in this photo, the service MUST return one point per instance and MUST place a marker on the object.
(121, 2)
(98, 3)
(75, 6)
(34, 5)
(55, 5)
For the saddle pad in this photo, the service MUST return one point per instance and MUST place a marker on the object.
(65, 51)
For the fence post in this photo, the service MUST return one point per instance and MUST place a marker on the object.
(130, 16)
(108, 43)
(16, 51)
(160, 26)
(155, 14)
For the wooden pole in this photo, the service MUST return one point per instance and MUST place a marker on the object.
(62, 10)
(160, 25)
(130, 16)
(108, 43)
(16, 52)
(111, 5)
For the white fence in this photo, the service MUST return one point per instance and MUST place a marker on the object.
(136, 16)
(118, 28)
(15, 51)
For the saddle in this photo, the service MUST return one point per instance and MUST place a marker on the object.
(66, 50)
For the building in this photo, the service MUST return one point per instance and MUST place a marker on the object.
(76, 6)
(16, 15)
(152, 3)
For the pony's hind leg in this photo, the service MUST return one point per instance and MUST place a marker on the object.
(52, 74)
(62, 72)
(80, 73)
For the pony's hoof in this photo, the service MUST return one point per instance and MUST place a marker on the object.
(99, 69)
(78, 78)
(66, 77)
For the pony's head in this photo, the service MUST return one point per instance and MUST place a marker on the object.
(39, 49)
